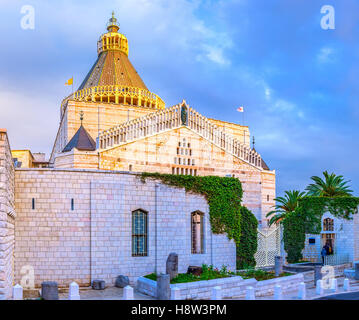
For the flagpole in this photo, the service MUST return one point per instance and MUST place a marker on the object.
(72, 85)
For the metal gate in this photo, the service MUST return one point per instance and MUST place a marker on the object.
(268, 247)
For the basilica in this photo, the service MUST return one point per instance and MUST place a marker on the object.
(82, 214)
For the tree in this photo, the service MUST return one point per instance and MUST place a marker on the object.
(284, 206)
(332, 186)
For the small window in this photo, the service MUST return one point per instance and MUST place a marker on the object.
(267, 197)
(173, 170)
(311, 241)
(197, 233)
(328, 224)
(33, 204)
(130, 167)
(139, 233)
(72, 204)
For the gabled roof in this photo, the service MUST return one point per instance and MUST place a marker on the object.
(264, 165)
(81, 141)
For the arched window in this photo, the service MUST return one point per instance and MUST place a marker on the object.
(197, 232)
(328, 224)
(139, 233)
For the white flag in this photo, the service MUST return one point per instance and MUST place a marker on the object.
(240, 109)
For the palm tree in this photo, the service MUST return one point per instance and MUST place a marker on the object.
(331, 186)
(285, 205)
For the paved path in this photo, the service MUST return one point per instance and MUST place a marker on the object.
(311, 292)
(111, 293)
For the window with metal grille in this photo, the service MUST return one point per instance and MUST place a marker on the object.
(197, 232)
(139, 233)
(328, 224)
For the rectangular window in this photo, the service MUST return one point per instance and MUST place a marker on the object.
(197, 232)
(139, 233)
(72, 204)
(33, 204)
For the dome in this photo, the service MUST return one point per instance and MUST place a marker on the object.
(113, 78)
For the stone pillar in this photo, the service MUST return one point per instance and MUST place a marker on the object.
(17, 292)
(128, 293)
(278, 265)
(172, 265)
(49, 290)
(74, 291)
(334, 285)
(317, 273)
(346, 285)
(302, 293)
(278, 295)
(250, 294)
(319, 288)
(163, 287)
(356, 267)
(216, 293)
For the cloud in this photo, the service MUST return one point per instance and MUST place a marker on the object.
(326, 55)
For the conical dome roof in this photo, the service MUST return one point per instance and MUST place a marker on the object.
(113, 78)
(113, 68)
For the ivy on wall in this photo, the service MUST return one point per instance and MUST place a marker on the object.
(223, 195)
(248, 245)
(307, 219)
(294, 236)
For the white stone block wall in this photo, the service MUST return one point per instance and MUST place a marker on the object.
(94, 241)
(345, 243)
(7, 217)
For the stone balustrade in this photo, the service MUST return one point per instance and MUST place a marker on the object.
(120, 95)
(169, 119)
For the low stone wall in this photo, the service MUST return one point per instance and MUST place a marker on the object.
(231, 287)
(288, 284)
(200, 289)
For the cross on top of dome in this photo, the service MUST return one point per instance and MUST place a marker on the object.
(113, 25)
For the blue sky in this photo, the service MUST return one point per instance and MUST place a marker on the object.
(298, 82)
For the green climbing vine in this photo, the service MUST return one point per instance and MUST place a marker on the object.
(307, 219)
(223, 195)
(248, 245)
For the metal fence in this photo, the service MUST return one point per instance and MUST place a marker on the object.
(268, 247)
(333, 259)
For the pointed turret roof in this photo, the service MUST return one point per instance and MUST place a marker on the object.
(113, 66)
(81, 141)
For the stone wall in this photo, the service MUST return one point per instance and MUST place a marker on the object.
(345, 243)
(164, 153)
(93, 241)
(97, 116)
(234, 287)
(7, 217)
